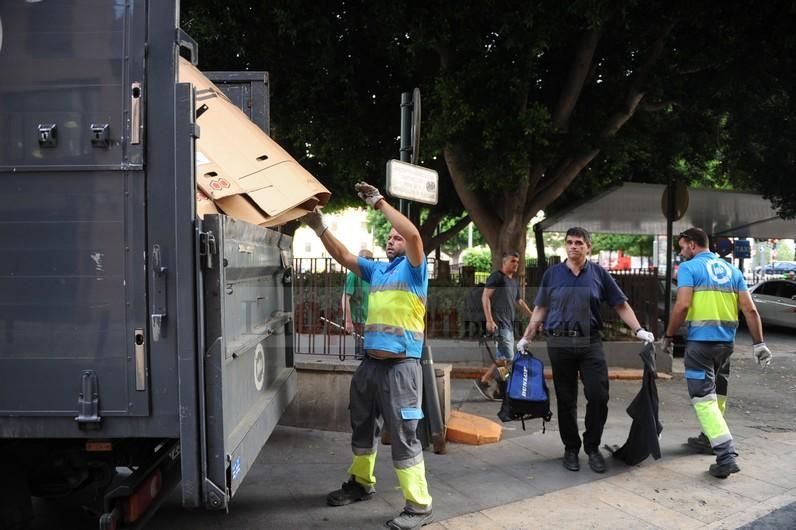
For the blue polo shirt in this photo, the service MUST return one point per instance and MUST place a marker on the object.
(396, 305)
(713, 313)
(573, 302)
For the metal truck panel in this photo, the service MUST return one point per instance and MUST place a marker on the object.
(249, 91)
(67, 76)
(248, 369)
(71, 290)
(110, 327)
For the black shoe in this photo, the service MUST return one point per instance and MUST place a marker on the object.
(596, 461)
(483, 389)
(701, 444)
(352, 491)
(497, 395)
(409, 520)
(571, 460)
(723, 470)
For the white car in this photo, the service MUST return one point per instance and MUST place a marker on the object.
(776, 302)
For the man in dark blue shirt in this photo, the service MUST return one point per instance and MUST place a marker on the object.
(568, 309)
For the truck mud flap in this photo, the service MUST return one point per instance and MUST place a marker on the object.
(133, 502)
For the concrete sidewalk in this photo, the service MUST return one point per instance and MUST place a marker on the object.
(675, 492)
(520, 482)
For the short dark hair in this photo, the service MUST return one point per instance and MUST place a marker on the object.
(577, 231)
(510, 254)
(697, 235)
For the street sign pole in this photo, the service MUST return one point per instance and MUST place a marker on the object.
(404, 155)
(667, 301)
(431, 429)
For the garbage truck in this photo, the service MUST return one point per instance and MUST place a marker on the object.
(142, 346)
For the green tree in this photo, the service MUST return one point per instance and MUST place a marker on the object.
(453, 246)
(523, 100)
(479, 258)
(629, 244)
(785, 250)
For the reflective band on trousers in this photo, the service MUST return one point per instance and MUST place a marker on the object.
(711, 419)
(414, 486)
(362, 469)
(722, 400)
(392, 330)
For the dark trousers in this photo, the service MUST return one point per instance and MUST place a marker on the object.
(570, 358)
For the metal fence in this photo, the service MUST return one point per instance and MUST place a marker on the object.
(454, 304)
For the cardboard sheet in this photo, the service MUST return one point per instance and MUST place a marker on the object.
(246, 174)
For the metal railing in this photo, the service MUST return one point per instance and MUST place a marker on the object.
(453, 309)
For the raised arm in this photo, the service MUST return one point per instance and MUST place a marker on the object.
(414, 243)
(333, 246)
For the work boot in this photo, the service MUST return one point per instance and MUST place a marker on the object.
(596, 461)
(571, 460)
(407, 520)
(723, 470)
(701, 444)
(352, 491)
(483, 389)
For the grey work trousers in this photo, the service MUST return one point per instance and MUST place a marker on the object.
(707, 369)
(392, 391)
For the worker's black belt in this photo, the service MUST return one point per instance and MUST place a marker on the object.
(570, 333)
(564, 333)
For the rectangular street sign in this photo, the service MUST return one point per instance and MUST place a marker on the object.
(742, 249)
(411, 182)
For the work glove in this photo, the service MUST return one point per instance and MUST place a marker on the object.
(762, 354)
(646, 336)
(369, 194)
(667, 345)
(522, 343)
(316, 221)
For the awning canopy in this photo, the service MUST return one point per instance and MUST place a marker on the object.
(634, 208)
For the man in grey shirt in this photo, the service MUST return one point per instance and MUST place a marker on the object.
(501, 297)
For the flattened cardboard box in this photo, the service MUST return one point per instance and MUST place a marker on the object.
(246, 174)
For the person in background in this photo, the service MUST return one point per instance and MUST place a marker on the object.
(710, 293)
(354, 304)
(500, 297)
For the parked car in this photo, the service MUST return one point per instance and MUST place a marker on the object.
(776, 302)
(779, 268)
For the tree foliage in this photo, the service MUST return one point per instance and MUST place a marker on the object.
(479, 258)
(523, 102)
(629, 244)
(456, 244)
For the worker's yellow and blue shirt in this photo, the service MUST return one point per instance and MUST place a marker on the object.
(396, 305)
(713, 314)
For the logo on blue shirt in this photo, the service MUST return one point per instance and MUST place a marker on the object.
(719, 271)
